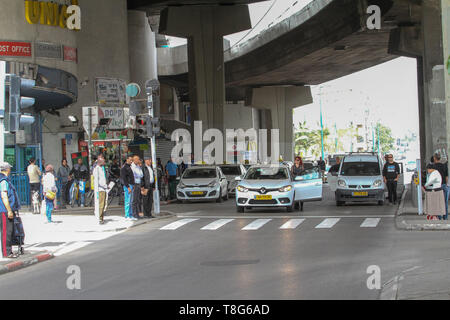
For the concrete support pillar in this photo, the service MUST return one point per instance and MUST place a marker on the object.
(204, 27)
(446, 47)
(142, 51)
(432, 56)
(280, 102)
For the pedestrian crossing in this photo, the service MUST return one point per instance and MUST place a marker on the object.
(57, 248)
(259, 223)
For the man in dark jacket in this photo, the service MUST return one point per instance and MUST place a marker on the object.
(391, 174)
(148, 185)
(443, 170)
(127, 180)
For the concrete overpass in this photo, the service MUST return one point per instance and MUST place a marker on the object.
(326, 40)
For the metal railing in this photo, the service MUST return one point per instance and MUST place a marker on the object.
(22, 184)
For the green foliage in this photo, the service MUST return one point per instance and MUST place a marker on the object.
(308, 140)
(386, 139)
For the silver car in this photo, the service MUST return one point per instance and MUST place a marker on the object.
(231, 171)
(202, 183)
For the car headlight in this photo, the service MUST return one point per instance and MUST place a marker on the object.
(241, 189)
(181, 185)
(341, 183)
(377, 183)
(212, 184)
(285, 189)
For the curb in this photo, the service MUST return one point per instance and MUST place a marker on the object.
(165, 215)
(13, 266)
(401, 224)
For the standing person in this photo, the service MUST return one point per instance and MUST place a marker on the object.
(64, 178)
(148, 185)
(161, 174)
(443, 171)
(127, 180)
(81, 174)
(172, 173)
(34, 175)
(100, 189)
(335, 168)
(322, 166)
(391, 174)
(434, 195)
(49, 189)
(136, 204)
(9, 206)
(115, 169)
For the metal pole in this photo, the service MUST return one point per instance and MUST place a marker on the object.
(89, 141)
(321, 122)
(2, 109)
(149, 91)
(378, 134)
(419, 187)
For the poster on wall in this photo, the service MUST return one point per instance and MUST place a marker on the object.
(110, 90)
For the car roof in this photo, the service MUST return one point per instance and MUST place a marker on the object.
(202, 167)
(361, 158)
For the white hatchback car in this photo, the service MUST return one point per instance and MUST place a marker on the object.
(202, 183)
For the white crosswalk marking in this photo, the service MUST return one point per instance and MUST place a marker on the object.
(177, 224)
(72, 247)
(255, 225)
(217, 224)
(328, 223)
(370, 223)
(292, 224)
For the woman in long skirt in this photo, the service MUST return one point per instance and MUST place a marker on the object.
(434, 195)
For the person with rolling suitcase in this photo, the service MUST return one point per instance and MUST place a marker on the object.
(18, 238)
(9, 207)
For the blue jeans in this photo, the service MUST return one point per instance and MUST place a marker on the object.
(80, 194)
(128, 201)
(446, 193)
(49, 209)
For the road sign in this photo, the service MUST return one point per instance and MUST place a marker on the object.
(89, 125)
(133, 90)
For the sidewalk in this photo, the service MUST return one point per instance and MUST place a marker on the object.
(68, 233)
(431, 282)
(408, 218)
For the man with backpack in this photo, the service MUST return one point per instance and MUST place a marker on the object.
(9, 206)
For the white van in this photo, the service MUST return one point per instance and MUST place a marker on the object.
(360, 179)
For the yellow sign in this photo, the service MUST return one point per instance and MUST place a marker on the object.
(416, 181)
(53, 14)
(268, 197)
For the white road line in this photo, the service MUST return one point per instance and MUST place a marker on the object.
(217, 224)
(71, 247)
(292, 224)
(327, 223)
(255, 225)
(177, 224)
(370, 223)
(285, 217)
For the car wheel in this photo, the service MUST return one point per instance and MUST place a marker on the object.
(297, 206)
(226, 196)
(291, 207)
(340, 203)
(240, 209)
(220, 199)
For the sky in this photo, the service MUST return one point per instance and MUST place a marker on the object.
(388, 90)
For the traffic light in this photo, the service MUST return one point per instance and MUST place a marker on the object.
(17, 103)
(155, 127)
(142, 125)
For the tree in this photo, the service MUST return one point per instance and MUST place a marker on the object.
(386, 139)
(309, 141)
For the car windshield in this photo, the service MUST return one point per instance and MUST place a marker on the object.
(231, 170)
(350, 169)
(267, 174)
(200, 173)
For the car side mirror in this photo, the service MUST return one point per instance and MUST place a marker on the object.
(238, 179)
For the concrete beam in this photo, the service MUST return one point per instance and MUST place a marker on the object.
(281, 101)
(204, 27)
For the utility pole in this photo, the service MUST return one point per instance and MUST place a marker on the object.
(2, 109)
(152, 91)
(321, 122)
(445, 5)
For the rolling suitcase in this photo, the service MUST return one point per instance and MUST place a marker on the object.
(18, 238)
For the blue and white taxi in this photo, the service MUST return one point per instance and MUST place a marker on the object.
(274, 186)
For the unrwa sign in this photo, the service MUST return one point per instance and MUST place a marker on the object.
(53, 14)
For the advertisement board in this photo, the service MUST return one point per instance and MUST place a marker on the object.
(15, 49)
(110, 90)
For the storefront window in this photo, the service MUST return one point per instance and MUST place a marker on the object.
(10, 157)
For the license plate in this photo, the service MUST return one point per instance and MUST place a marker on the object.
(263, 197)
(360, 194)
(197, 193)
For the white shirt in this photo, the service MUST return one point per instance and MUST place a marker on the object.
(100, 183)
(150, 170)
(138, 174)
(434, 180)
(33, 173)
(48, 182)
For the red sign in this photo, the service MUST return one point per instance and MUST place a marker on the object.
(15, 49)
(70, 54)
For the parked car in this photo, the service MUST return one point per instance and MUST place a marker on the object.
(231, 171)
(360, 179)
(202, 183)
(274, 186)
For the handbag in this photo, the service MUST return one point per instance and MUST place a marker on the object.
(50, 195)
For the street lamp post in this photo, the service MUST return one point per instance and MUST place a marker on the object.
(321, 122)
